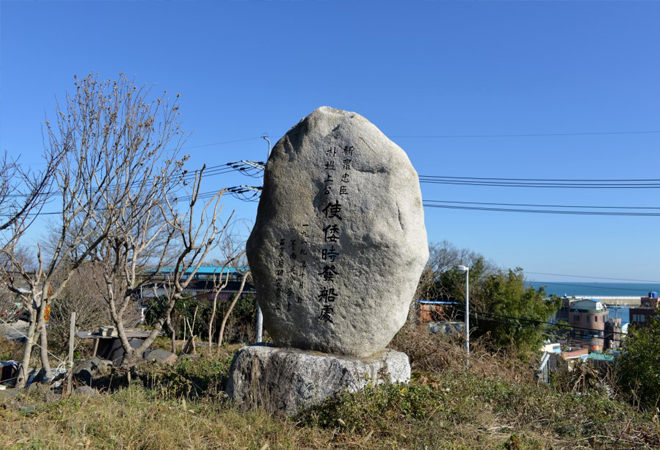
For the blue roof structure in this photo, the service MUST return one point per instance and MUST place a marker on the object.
(208, 270)
(436, 302)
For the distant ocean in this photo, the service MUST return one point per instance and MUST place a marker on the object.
(574, 288)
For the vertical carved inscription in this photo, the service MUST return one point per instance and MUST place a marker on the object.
(332, 213)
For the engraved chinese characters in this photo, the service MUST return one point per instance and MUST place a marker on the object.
(332, 223)
(339, 242)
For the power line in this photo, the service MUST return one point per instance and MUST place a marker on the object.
(220, 143)
(583, 133)
(541, 322)
(538, 322)
(210, 171)
(596, 278)
(549, 180)
(429, 204)
(559, 283)
(545, 206)
(539, 185)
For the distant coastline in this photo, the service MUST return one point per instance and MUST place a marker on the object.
(573, 288)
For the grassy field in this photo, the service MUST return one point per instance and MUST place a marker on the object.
(495, 404)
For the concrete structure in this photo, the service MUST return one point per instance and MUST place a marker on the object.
(588, 317)
(648, 309)
(619, 300)
(613, 333)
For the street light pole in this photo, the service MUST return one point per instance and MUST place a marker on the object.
(466, 269)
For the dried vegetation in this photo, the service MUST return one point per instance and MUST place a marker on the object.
(494, 404)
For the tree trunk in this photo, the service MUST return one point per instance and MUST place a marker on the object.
(118, 320)
(43, 335)
(231, 308)
(212, 320)
(192, 328)
(171, 328)
(24, 369)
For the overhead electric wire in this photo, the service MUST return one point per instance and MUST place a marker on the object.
(596, 278)
(220, 143)
(579, 133)
(531, 205)
(545, 180)
(430, 204)
(541, 322)
(538, 322)
(553, 333)
(560, 283)
(539, 185)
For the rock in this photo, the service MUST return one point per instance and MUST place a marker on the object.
(288, 380)
(14, 331)
(85, 391)
(43, 392)
(87, 370)
(160, 356)
(339, 241)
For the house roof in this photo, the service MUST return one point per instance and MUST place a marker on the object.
(588, 304)
(434, 302)
(208, 270)
(600, 357)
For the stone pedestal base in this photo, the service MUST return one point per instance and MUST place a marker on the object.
(288, 380)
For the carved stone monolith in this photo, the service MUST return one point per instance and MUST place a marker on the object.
(339, 241)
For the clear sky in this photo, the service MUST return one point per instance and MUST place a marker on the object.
(416, 70)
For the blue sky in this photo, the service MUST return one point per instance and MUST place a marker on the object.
(416, 70)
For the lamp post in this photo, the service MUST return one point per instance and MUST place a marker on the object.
(466, 269)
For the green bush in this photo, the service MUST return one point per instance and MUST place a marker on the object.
(639, 364)
(376, 407)
(204, 376)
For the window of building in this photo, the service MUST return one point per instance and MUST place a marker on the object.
(595, 319)
(576, 317)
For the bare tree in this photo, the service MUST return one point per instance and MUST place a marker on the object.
(237, 296)
(116, 164)
(233, 256)
(189, 237)
(23, 193)
(79, 297)
(445, 256)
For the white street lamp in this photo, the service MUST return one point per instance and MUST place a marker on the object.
(466, 269)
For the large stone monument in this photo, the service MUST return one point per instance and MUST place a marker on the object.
(336, 254)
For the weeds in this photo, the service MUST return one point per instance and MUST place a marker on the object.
(191, 378)
(493, 404)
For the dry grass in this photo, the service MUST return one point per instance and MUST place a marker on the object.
(135, 419)
(10, 350)
(436, 353)
(495, 404)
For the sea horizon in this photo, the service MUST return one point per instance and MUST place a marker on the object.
(576, 288)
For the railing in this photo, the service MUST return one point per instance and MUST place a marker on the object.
(543, 372)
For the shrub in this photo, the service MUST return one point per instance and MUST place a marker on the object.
(639, 364)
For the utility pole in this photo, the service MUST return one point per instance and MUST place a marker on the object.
(466, 270)
(260, 317)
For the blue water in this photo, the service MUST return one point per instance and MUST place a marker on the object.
(574, 288)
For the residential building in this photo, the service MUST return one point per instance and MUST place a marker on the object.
(648, 309)
(587, 318)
